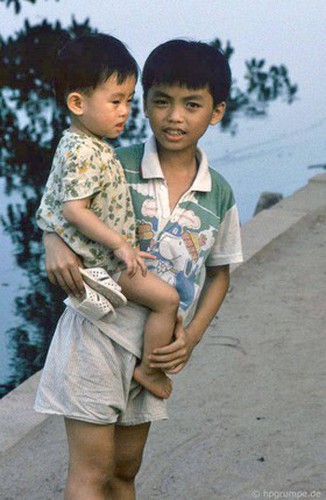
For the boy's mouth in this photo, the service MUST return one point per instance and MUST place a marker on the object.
(174, 132)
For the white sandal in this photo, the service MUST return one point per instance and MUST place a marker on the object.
(98, 279)
(93, 305)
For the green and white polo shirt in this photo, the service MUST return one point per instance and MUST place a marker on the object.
(202, 231)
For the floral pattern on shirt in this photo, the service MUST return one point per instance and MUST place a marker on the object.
(86, 167)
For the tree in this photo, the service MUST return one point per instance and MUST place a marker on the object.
(31, 125)
(263, 87)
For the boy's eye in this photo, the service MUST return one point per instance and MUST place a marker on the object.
(193, 105)
(116, 102)
(160, 102)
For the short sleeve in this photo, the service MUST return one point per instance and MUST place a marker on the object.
(227, 248)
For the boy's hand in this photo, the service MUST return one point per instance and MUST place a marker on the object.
(62, 264)
(173, 357)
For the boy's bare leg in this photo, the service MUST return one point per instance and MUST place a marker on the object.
(91, 466)
(163, 302)
(129, 446)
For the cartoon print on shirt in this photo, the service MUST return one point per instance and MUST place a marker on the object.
(180, 247)
(145, 235)
(181, 252)
(180, 268)
(191, 240)
(187, 218)
(149, 208)
(146, 229)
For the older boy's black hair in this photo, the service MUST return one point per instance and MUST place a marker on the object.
(190, 64)
(86, 62)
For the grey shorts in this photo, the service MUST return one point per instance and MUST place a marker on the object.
(87, 376)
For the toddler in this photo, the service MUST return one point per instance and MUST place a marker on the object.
(87, 201)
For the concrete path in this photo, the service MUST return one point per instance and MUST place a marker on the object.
(247, 416)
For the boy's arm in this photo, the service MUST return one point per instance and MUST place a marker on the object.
(172, 358)
(87, 222)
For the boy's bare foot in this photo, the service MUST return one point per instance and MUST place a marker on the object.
(155, 382)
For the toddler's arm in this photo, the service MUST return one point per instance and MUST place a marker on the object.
(78, 214)
(62, 265)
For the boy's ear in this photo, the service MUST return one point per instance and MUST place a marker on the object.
(75, 103)
(218, 113)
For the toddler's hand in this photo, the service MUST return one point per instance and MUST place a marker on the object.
(128, 255)
(140, 259)
(132, 258)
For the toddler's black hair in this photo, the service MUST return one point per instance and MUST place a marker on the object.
(190, 64)
(86, 62)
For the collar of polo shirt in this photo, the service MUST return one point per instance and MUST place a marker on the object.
(151, 168)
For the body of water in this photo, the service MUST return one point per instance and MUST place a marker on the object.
(12, 284)
(271, 154)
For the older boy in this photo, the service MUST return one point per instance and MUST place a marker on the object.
(187, 217)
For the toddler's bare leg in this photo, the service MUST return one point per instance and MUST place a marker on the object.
(163, 302)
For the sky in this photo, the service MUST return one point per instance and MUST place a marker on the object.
(282, 31)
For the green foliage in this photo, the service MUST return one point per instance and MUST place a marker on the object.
(30, 128)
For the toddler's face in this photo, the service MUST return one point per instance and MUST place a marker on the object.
(106, 109)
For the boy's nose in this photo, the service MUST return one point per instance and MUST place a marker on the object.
(175, 114)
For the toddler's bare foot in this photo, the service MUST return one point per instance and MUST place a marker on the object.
(155, 382)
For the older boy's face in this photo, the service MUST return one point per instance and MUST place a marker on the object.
(180, 116)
